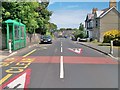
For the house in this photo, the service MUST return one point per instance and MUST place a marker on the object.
(100, 21)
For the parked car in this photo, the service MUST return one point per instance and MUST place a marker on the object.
(65, 36)
(46, 39)
(83, 40)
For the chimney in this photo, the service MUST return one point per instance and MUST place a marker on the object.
(112, 3)
(94, 10)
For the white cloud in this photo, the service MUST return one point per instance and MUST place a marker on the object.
(69, 18)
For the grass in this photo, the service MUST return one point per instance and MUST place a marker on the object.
(104, 44)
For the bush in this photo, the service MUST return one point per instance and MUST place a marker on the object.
(94, 41)
(111, 35)
(116, 42)
(79, 34)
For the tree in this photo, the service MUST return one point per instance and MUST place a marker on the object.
(33, 14)
(25, 11)
(81, 27)
(80, 32)
(53, 27)
(44, 17)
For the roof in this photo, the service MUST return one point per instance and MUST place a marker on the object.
(89, 17)
(107, 11)
(99, 13)
(13, 21)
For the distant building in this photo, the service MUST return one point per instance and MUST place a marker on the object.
(100, 21)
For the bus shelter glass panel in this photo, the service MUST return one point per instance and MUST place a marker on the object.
(16, 31)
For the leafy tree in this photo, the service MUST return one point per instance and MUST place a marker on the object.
(53, 27)
(33, 14)
(80, 32)
(81, 27)
(25, 11)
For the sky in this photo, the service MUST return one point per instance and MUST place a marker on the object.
(70, 13)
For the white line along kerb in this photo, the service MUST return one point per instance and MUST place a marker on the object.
(61, 67)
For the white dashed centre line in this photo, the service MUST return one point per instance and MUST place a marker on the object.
(61, 47)
(61, 64)
(61, 67)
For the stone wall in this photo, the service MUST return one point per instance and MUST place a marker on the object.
(32, 38)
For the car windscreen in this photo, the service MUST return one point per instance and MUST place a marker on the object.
(46, 37)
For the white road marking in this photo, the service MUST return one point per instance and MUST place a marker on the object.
(61, 67)
(76, 50)
(13, 53)
(20, 80)
(61, 49)
(61, 44)
(113, 57)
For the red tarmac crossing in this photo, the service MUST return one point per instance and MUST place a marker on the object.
(69, 59)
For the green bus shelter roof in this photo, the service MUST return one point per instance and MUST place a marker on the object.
(14, 22)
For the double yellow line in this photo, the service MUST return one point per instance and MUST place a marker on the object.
(29, 53)
(9, 75)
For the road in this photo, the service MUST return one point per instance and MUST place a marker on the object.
(63, 64)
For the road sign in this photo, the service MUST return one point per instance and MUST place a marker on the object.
(20, 81)
(76, 50)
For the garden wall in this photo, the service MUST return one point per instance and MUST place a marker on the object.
(32, 38)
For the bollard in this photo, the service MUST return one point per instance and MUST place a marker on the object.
(10, 51)
(111, 47)
(78, 40)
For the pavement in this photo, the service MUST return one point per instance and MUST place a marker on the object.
(5, 53)
(103, 49)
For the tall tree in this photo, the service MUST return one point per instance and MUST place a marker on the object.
(33, 14)
(81, 27)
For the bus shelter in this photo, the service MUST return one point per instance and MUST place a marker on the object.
(15, 32)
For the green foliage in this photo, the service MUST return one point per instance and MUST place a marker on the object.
(81, 27)
(112, 35)
(33, 14)
(52, 27)
(80, 32)
(72, 29)
(62, 29)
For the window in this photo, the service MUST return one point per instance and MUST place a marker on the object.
(96, 23)
(16, 32)
(22, 32)
(91, 23)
